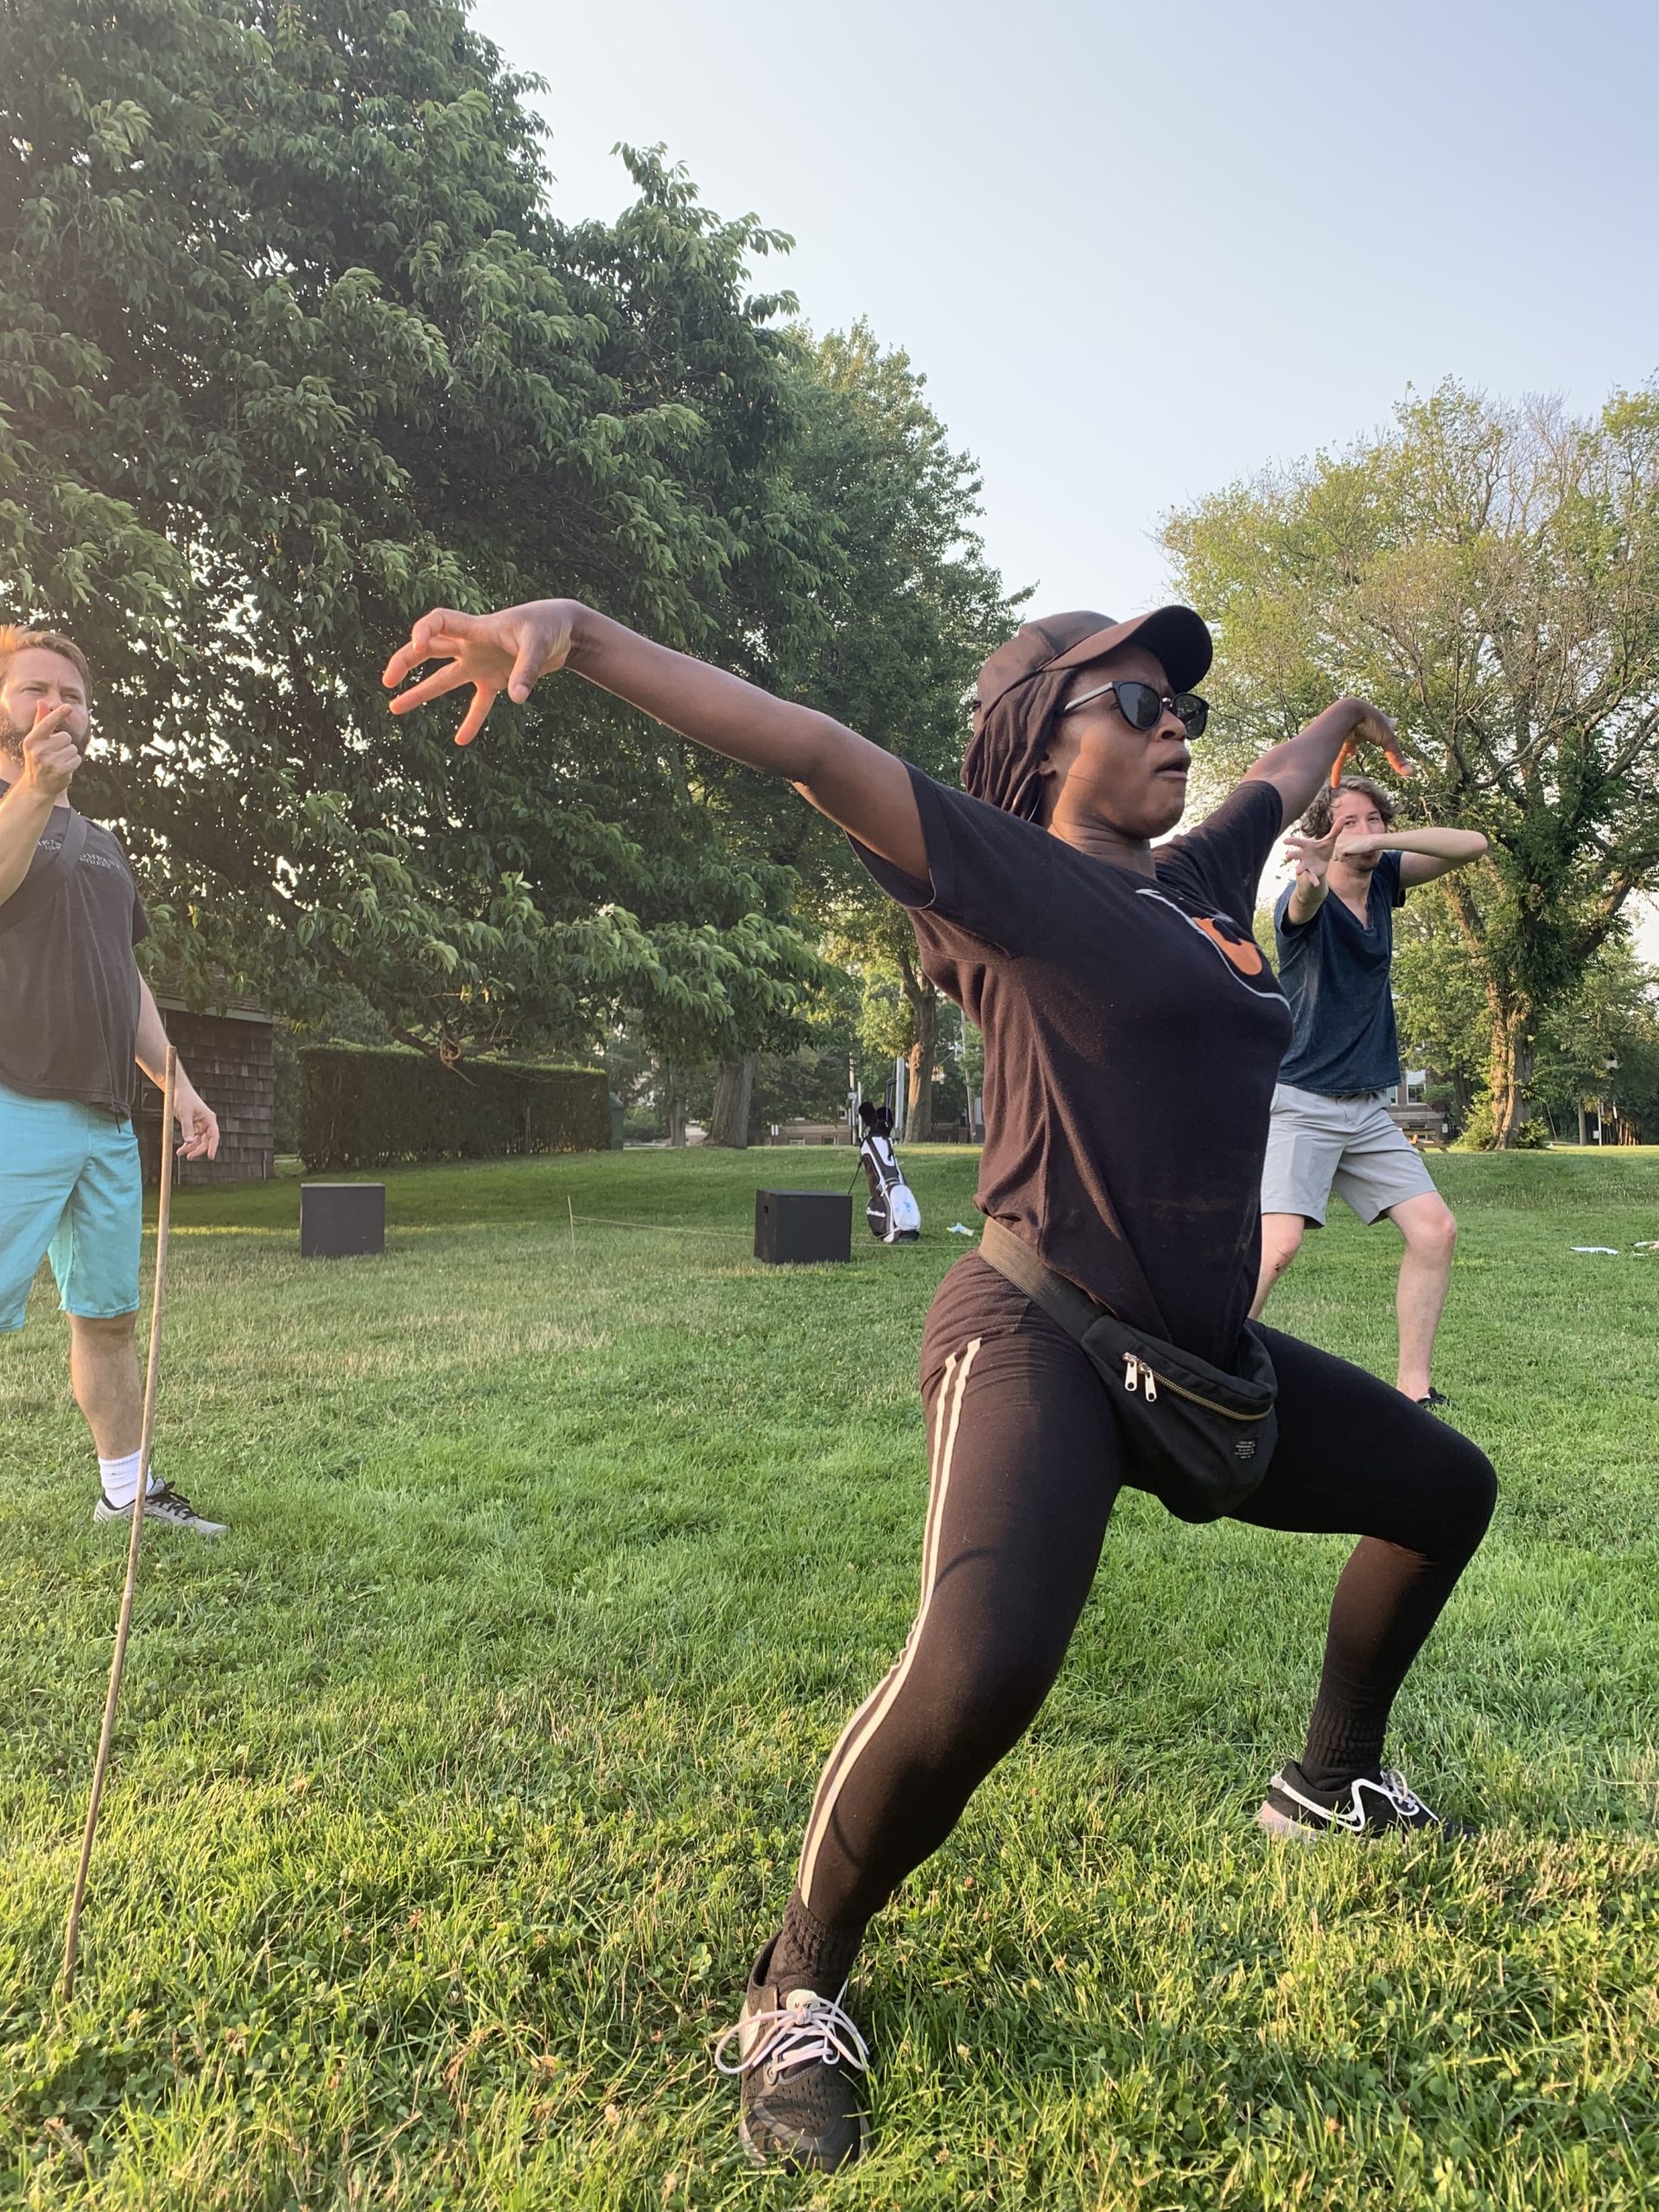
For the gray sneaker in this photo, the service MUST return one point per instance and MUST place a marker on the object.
(167, 1507)
(796, 2056)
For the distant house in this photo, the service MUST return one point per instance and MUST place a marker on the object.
(229, 1058)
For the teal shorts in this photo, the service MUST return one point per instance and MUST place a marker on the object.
(71, 1191)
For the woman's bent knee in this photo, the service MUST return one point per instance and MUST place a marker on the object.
(1466, 1495)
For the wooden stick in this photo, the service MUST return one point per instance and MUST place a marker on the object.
(163, 1218)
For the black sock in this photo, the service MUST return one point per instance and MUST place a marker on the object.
(808, 1954)
(1331, 1767)
(1387, 1600)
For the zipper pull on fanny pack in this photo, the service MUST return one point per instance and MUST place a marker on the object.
(1134, 1372)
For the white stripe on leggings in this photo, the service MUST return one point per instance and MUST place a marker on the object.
(855, 1737)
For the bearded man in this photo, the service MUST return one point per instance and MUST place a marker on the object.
(74, 1016)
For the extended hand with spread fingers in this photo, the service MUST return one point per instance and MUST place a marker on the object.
(1311, 856)
(508, 651)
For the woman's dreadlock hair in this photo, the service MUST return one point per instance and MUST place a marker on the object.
(1009, 742)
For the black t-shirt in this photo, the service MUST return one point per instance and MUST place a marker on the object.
(68, 982)
(1133, 1032)
(1335, 972)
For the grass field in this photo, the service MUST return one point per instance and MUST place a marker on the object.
(455, 1789)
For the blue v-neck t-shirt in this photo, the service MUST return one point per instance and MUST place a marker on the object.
(1335, 973)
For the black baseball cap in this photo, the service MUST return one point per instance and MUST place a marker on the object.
(1179, 638)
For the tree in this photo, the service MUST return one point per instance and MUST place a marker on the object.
(290, 347)
(1601, 1042)
(905, 608)
(1439, 1004)
(1489, 576)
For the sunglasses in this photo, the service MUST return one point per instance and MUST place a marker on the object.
(1142, 705)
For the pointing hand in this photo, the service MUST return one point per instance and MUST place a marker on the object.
(51, 753)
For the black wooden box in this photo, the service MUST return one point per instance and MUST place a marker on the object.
(341, 1221)
(793, 1226)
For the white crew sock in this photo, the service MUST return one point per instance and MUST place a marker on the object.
(120, 1479)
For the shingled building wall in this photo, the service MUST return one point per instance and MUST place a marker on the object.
(228, 1056)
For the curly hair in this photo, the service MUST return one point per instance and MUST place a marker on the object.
(1316, 822)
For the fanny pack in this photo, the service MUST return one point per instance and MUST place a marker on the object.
(1198, 1439)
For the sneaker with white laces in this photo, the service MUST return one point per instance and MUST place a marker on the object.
(167, 1507)
(1372, 1804)
(796, 2056)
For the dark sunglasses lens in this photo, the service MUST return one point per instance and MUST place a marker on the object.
(1140, 704)
(1193, 712)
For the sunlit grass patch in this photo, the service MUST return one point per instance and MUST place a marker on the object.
(454, 1789)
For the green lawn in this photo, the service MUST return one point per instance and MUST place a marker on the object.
(454, 1789)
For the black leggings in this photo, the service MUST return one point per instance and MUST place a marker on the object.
(1025, 1461)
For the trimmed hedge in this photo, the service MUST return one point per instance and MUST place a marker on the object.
(367, 1106)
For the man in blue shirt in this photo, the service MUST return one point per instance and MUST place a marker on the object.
(1331, 1127)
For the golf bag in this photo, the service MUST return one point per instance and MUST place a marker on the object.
(892, 1212)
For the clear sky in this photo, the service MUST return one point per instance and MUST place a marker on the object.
(1141, 252)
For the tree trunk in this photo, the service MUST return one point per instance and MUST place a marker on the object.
(924, 1003)
(674, 1102)
(733, 1089)
(1509, 1070)
(1584, 1127)
(919, 1129)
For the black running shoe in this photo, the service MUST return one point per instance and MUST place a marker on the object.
(1435, 1402)
(796, 2056)
(1373, 1804)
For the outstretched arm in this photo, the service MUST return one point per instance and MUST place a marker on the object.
(1428, 852)
(1301, 767)
(865, 789)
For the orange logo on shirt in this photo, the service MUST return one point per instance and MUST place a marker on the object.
(1244, 953)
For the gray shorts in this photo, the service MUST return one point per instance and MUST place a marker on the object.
(1350, 1145)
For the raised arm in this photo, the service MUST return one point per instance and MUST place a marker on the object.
(1301, 767)
(865, 789)
(1312, 856)
(50, 755)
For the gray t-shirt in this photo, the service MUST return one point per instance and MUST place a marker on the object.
(68, 982)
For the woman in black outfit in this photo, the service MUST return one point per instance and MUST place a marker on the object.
(1133, 1031)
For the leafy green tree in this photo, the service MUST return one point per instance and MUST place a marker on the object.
(292, 348)
(1440, 1007)
(1601, 1043)
(1489, 576)
(906, 608)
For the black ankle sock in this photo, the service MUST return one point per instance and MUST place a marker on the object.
(807, 1953)
(1335, 1756)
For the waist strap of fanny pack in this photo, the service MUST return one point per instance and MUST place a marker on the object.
(41, 886)
(1075, 1311)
